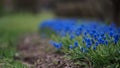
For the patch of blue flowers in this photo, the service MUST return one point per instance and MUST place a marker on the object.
(93, 33)
(93, 41)
(59, 26)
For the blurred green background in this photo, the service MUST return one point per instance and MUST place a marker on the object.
(11, 27)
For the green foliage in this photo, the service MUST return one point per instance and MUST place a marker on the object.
(10, 63)
(106, 56)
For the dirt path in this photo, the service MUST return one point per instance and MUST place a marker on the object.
(37, 53)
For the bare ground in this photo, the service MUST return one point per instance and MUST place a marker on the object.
(36, 52)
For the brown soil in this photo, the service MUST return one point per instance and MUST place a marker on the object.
(36, 52)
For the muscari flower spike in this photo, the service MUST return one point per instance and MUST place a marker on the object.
(76, 44)
(72, 37)
(71, 47)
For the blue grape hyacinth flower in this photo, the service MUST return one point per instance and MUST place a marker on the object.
(95, 47)
(72, 37)
(57, 45)
(83, 50)
(76, 44)
(71, 47)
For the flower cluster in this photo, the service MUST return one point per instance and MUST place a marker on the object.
(59, 26)
(91, 33)
(87, 40)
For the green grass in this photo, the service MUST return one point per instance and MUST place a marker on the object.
(12, 26)
(22, 21)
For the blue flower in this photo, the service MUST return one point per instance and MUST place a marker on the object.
(88, 42)
(102, 34)
(76, 44)
(88, 46)
(119, 29)
(94, 31)
(100, 40)
(95, 36)
(71, 47)
(83, 41)
(92, 41)
(106, 42)
(72, 37)
(95, 47)
(96, 44)
(85, 33)
(116, 38)
(78, 33)
(83, 50)
(111, 33)
(104, 37)
(57, 45)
